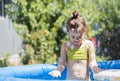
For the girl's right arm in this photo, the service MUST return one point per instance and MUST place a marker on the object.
(62, 61)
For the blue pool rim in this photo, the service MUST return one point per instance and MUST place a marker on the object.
(39, 72)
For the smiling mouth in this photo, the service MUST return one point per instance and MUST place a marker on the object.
(76, 41)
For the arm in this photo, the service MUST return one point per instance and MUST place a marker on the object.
(92, 55)
(92, 58)
(62, 61)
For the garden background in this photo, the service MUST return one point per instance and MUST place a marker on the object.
(41, 26)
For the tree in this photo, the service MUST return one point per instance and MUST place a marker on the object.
(109, 27)
(40, 23)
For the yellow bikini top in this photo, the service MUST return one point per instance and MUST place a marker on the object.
(77, 53)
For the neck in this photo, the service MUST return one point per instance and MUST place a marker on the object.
(78, 45)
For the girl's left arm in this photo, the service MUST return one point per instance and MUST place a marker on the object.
(92, 58)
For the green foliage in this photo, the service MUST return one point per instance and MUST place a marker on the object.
(40, 23)
(99, 58)
(4, 60)
(109, 29)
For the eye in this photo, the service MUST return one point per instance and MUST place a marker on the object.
(73, 37)
(79, 36)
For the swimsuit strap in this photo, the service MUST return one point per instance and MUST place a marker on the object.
(77, 53)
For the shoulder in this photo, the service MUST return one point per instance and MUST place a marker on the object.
(88, 43)
(64, 45)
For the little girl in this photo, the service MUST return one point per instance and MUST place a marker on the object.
(77, 53)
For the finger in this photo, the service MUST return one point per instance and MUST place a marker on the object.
(59, 75)
(50, 73)
(95, 69)
(55, 75)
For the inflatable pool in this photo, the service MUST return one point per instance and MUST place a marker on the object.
(39, 72)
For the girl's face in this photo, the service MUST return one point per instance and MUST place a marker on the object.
(75, 36)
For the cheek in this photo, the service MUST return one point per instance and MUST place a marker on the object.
(72, 39)
(80, 36)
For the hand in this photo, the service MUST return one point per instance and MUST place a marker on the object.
(95, 69)
(55, 73)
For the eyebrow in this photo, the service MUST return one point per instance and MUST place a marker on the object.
(76, 32)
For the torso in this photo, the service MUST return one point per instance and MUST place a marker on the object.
(77, 70)
(78, 67)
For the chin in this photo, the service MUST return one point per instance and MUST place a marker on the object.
(76, 43)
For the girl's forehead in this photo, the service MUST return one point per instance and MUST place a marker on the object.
(75, 33)
(76, 30)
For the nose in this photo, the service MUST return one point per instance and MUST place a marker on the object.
(76, 38)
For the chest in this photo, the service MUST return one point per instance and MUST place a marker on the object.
(77, 53)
